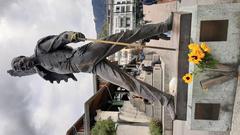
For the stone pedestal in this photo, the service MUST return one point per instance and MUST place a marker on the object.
(219, 26)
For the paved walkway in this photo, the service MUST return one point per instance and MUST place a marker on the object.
(135, 130)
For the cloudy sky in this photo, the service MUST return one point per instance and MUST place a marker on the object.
(30, 105)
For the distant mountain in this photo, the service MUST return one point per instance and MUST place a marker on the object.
(99, 11)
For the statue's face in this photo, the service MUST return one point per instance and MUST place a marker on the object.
(21, 63)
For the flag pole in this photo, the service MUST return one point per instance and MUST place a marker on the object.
(126, 44)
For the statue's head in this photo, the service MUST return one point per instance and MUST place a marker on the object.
(22, 63)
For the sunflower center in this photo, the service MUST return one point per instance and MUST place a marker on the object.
(188, 78)
(195, 57)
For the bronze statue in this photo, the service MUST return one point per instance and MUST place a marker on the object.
(53, 60)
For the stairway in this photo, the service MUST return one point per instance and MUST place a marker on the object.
(153, 111)
(131, 114)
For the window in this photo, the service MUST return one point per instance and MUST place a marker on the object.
(122, 9)
(117, 31)
(118, 2)
(214, 30)
(207, 111)
(117, 8)
(128, 8)
(123, 2)
(133, 9)
(128, 2)
(122, 30)
(128, 22)
(122, 22)
(116, 22)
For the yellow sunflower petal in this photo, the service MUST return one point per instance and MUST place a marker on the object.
(205, 47)
(199, 53)
(193, 46)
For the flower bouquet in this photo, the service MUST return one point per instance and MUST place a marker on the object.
(201, 56)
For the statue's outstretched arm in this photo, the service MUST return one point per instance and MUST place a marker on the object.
(22, 73)
(54, 42)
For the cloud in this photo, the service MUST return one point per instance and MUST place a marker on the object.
(29, 105)
(4, 4)
(13, 104)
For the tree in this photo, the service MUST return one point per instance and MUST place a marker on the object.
(104, 127)
(104, 31)
(155, 127)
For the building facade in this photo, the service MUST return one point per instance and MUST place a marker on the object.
(122, 15)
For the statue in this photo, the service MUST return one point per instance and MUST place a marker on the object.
(53, 60)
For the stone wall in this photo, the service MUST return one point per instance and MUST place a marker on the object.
(226, 52)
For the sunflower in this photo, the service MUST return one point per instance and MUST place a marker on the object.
(187, 78)
(193, 46)
(205, 47)
(198, 52)
(194, 58)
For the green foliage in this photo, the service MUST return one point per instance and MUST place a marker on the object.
(155, 127)
(208, 62)
(104, 31)
(104, 127)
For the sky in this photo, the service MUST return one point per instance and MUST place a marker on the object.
(30, 105)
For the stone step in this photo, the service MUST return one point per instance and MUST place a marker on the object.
(128, 110)
(149, 110)
(140, 105)
(130, 118)
(137, 114)
(157, 112)
(127, 107)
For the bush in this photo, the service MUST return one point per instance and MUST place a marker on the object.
(155, 127)
(104, 127)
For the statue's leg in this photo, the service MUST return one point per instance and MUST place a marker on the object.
(97, 52)
(130, 36)
(115, 75)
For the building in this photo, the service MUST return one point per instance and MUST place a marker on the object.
(123, 15)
